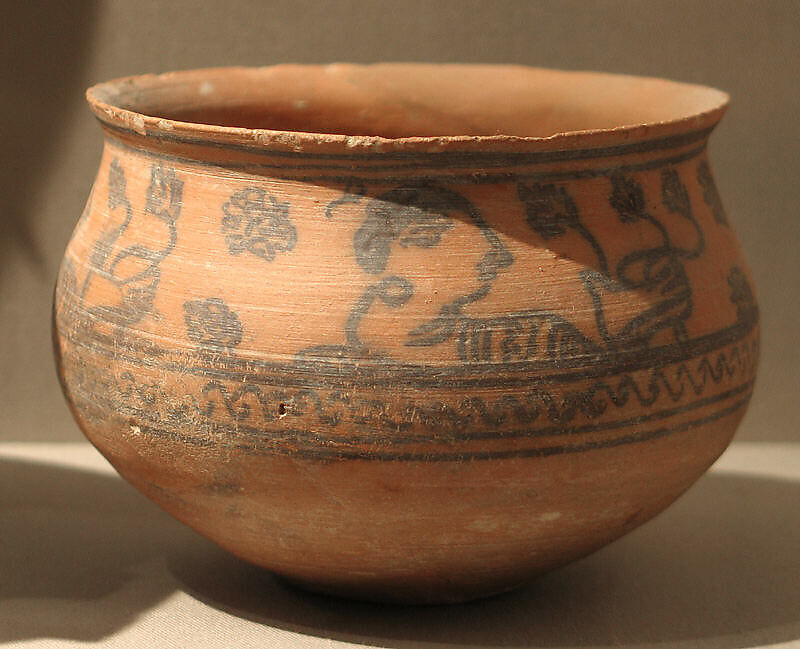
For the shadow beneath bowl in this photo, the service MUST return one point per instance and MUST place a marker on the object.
(719, 569)
(81, 553)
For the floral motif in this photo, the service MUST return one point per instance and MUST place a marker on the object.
(742, 294)
(210, 323)
(164, 194)
(258, 223)
(416, 216)
(550, 209)
(674, 194)
(627, 198)
(131, 263)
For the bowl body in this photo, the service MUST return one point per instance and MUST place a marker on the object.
(397, 366)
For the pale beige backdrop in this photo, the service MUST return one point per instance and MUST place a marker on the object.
(51, 145)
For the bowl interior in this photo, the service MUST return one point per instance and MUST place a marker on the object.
(408, 100)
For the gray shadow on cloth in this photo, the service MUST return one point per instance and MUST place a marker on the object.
(81, 554)
(719, 569)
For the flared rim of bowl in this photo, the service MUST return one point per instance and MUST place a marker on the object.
(166, 107)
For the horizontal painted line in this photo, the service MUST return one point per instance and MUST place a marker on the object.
(473, 178)
(348, 372)
(393, 438)
(432, 159)
(331, 454)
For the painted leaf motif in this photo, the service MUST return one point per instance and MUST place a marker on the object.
(550, 210)
(407, 216)
(211, 323)
(627, 198)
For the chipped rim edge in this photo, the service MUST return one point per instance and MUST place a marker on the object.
(152, 127)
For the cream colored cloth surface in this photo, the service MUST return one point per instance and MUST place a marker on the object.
(86, 561)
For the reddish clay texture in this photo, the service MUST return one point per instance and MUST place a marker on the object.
(406, 332)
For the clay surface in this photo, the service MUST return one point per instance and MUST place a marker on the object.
(411, 333)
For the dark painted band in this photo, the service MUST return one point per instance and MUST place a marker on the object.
(396, 439)
(345, 372)
(331, 454)
(436, 159)
(474, 178)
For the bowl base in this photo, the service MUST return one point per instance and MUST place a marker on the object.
(406, 594)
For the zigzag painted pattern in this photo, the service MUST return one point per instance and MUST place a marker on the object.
(254, 410)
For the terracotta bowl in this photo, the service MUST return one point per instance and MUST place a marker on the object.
(406, 332)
